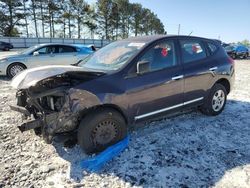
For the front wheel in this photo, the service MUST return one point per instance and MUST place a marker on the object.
(14, 69)
(100, 129)
(216, 101)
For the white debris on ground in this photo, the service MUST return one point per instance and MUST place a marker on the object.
(189, 150)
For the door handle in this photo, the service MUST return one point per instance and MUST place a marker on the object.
(177, 77)
(213, 68)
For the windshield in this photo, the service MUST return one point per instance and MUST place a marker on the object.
(29, 50)
(112, 56)
(230, 48)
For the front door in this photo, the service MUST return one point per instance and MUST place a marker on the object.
(42, 57)
(159, 90)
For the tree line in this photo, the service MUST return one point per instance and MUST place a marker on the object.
(107, 19)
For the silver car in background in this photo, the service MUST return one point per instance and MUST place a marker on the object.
(44, 55)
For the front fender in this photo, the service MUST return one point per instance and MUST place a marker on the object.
(82, 99)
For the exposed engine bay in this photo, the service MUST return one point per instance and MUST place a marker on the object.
(52, 105)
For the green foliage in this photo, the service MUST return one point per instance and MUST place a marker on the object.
(109, 19)
(11, 13)
(245, 42)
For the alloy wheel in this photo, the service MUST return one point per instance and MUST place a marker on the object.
(15, 69)
(218, 100)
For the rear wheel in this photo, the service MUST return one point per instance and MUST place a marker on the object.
(14, 69)
(216, 101)
(101, 129)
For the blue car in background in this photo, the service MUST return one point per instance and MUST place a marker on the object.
(237, 51)
(44, 55)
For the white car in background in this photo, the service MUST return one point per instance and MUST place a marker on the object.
(44, 55)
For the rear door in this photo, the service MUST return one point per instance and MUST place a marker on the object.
(199, 69)
(66, 55)
(160, 89)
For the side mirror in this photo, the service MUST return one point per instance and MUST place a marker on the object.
(35, 53)
(143, 67)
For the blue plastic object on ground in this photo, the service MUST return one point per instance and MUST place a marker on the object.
(94, 164)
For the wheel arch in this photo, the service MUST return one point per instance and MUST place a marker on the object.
(105, 106)
(225, 83)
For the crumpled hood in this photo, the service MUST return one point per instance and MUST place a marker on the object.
(30, 77)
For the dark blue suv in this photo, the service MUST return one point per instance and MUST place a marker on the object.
(125, 82)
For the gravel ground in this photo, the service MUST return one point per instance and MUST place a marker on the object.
(189, 150)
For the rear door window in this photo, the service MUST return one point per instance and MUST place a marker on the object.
(66, 49)
(192, 50)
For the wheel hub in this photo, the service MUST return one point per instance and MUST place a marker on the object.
(15, 70)
(104, 132)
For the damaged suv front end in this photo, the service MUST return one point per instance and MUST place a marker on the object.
(88, 98)
(49, 101)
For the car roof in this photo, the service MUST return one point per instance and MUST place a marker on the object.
(74, 45)
(151, 38)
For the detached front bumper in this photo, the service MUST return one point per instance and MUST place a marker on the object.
(31, 124)
(46, 124)
(41, 112)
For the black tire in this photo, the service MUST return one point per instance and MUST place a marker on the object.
(9, 69)
(6, 49)
(246, 55)
(234, 56)
(208, 108)
(91, 132)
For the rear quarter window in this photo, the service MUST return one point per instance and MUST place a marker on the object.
(212, 47)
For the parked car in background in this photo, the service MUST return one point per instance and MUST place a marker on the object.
(122, 83)
(5, 46)
(237, 51)
(42, 55)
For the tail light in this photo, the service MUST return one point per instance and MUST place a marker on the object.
(230, 60)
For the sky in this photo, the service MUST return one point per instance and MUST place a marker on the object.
(227, 20)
